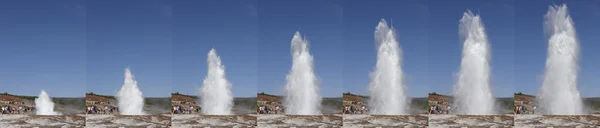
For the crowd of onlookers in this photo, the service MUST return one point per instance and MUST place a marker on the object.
(439, 110)
(269, 110)
(519, 109)
(101, 110)
(17, 110)
(185, 110)
(354, 110)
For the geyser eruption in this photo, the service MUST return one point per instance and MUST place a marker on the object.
(388, 92)
(131, 101)
(216, 98)
(472, 92)
(301, 90)
(44, 105)
(558, 93)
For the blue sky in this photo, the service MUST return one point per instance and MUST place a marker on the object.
(71, 47)
(410, 19)
(428, 34)
(231, 27)
(134, 34)
(43, 46)
(320, 21)
(531, 44)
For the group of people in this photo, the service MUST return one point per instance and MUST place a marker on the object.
(101, 110)
(354, 110)
(519, 109)
(269, 110)
(185, 110)
(438, 110)
(16, 110)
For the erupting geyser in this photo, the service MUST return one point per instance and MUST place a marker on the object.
(472, 92)
(558, 93)
(44, 105)
(388, 92)
(301, 90)
(216, 91)
(131, 101)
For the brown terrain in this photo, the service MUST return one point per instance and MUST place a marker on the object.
(101, 101)
(16, 101)
(527, 101)
(270, 101)
(185, 101)
(441, 101)
(353, 100)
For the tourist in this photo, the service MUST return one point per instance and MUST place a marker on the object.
(276, 109)
(362, 110)
(179, 109)
(521, 109)
(268, 109)
(430, 109)
(191, 109)
(345, 109)
(534, 108)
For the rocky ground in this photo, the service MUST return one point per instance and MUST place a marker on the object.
(373, 121)
(558, 121)
(29, 121)
(213, 121)
(471, 121)
(299, 121)
(128, 121)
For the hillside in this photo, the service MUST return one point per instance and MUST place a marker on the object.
(177, 93)
(157, 105)
(332, 105)
(107, 96)
(245, 105)
(593, 103)
(69, 105)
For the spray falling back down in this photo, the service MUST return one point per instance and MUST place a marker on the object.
(44, 105)
(472, 92)
(131, 101)
(388, 92)
(216, 91)
(558, 93)
(301, 90)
